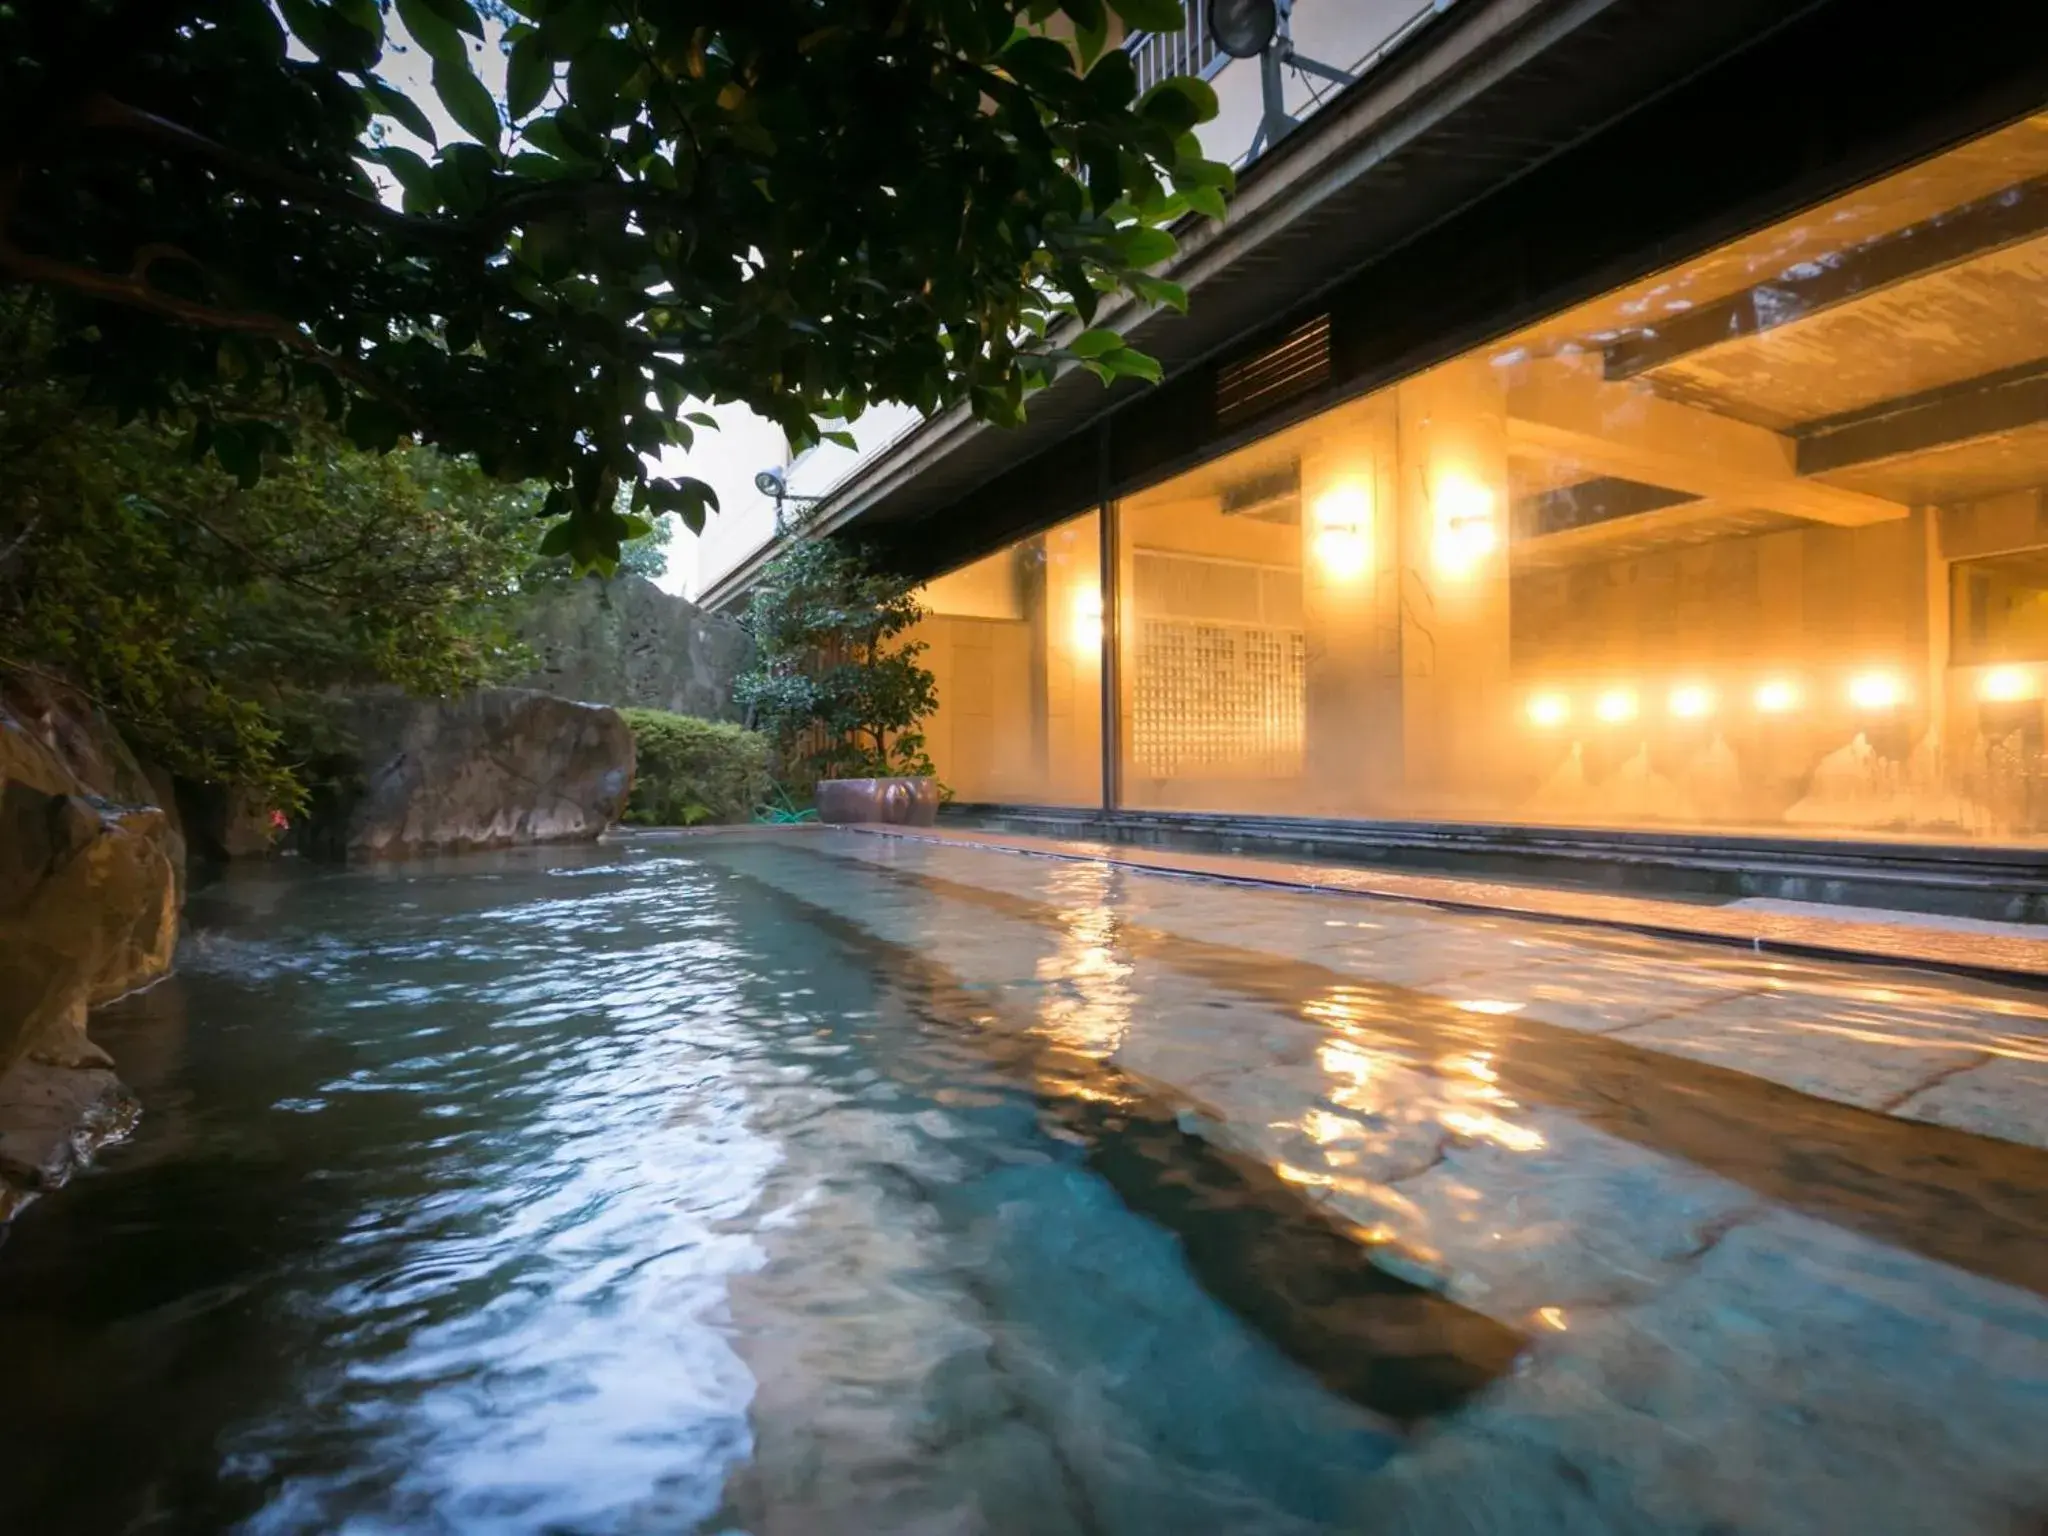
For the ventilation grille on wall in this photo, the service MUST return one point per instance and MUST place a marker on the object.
(1293, 366)
(1271, 497)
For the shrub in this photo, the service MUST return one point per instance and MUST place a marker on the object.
(690, 771)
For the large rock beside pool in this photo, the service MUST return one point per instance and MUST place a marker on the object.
(488, 769)
(89, 876)
(89, 889)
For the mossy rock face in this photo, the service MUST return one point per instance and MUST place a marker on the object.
(692, 772)
(627, 643)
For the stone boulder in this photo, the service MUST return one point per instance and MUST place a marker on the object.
(627, 643)
(52, 1119)
(90, 880)
(221, 822)
(488, 769)
(88, 911)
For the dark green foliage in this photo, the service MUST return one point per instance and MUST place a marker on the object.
(647, 555)
(203, 614)
(802, 205)
(689, 771)
(835, 684)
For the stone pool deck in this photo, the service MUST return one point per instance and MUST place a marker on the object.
(1774, 1226)
(1791, 927)
(1904, 1037)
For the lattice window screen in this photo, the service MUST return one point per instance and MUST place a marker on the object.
(1216, 693)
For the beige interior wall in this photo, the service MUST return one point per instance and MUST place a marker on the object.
(1814, 606)
(978, 736)
(1072, 640)
(1453, 553)
(1420, 667)
(986, 589)
(1351, 612)
(1014, 647)
(1192, 524)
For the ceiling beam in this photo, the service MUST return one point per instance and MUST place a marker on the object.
(1609, 429)
(1692, 521)
(1815, 287)
(1955, 413)
(1587, 503)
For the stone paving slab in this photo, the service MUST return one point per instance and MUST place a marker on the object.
(2003, 1097)
(1880, 1038)
(1872, 1056)
(1747, 1308)
(1794, 1378)
(1877, 938)
(1107, 984)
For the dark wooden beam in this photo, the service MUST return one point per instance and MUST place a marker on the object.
(1948, 239)
(1955, 413)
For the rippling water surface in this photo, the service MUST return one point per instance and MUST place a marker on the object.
(617, 1191)
(815, 1183)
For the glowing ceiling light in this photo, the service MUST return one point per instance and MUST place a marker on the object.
(1465, 531)
(1876, 690)
(1615, 705)
(1549, 709)
(1778, 696)
(1691, 701)
(2004, 685)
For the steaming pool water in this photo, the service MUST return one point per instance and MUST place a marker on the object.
(798, 1184)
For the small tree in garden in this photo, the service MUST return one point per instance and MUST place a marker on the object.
(834, 683)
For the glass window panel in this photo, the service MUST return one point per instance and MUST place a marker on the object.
(1757, 544)
(1015, 644)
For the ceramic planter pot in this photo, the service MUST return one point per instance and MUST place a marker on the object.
(894, 802)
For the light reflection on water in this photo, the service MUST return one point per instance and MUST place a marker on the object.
(584, 1194)
(822, 1184)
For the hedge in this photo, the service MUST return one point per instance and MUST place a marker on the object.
(691, 771)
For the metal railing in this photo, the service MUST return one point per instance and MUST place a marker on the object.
(1190, 51)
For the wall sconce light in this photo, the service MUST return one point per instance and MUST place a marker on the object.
(1549, 710)
(1342, 515)
(1691, 701)
(1777, 696)
(1087, 634)
(1615, 706)
(1876, 690)
(1465, 528)
(2007, 685)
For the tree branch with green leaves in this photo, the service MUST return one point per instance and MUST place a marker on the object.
(802, 206)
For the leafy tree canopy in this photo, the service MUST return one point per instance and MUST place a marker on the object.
(802, 205)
